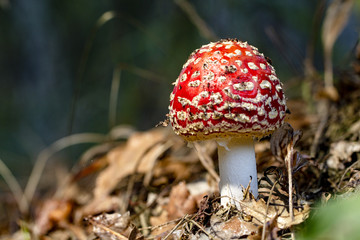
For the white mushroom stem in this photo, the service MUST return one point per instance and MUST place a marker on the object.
(237, 166)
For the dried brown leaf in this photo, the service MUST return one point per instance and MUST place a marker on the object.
(340, 152)
(123, 161)
(126, 160)
(180, 202)
(105, 204)
(111, 226)
(148, 162)
(234, 228)
(168, 169)
(257, 209)
(50, 214)
(280, 139)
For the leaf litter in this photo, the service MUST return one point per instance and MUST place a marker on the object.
(152, 185)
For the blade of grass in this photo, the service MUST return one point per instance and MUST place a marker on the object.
(104, 18)
(336, 18)
(114, 93)
(49, 151)
(141, 72)
(195, 18)
(14, 187)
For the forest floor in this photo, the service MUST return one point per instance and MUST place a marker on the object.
(152, 185)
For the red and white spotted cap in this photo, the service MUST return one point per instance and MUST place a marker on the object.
(226, 89)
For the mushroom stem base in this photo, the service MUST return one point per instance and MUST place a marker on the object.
(237, 167)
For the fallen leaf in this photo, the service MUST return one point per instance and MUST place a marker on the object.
(340, 152)
(50, 214)
(111, 226)
(235, 228)
(258, 210)
(123, 161)
(126, 160)
(180, 202)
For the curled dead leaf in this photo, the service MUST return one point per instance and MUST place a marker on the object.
(258, 210)
(180, 202)
(340, 152)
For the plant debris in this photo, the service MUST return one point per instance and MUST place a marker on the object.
(152, 185)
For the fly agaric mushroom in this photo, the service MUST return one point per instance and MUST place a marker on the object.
(229, 92)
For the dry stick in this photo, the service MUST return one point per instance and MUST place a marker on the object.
(267, 208)
(144, 224)
(323, 111)
(48, 152)
(346, 170)
(288, 160)
(201, 228)
(162, 225)
(109, 230)
(206, 161)
(176, 227)
(194, 17)
(14, 187)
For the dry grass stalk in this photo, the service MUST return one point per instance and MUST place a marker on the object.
(206, 161)
(288, 160)
(14, 187)
(195, 18)
(52, 149)
(267, 209)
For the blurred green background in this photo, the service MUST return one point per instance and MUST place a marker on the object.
(55, 55)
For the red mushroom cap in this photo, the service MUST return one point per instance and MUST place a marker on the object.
(226, 89)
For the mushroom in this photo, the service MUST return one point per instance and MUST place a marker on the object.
(229, 92)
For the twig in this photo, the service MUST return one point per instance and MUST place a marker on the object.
(267, 208)
(323, 112)
(201, 228)
(176, 227)
(288, 160)
(346, 170)
(161, 225)
(194, 17)
(14, 187)
(109, 230)
(144, 224)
